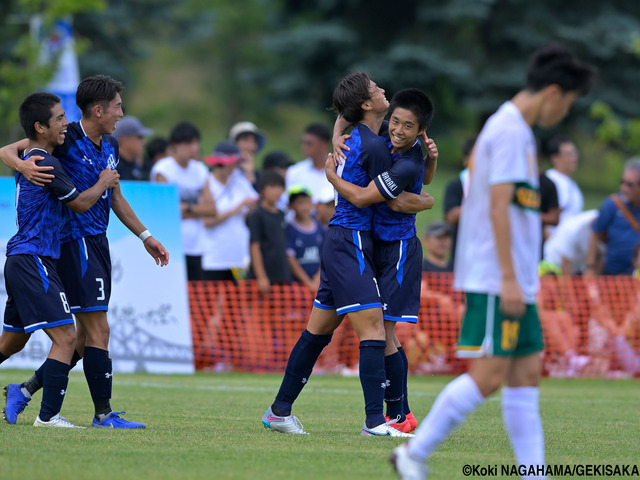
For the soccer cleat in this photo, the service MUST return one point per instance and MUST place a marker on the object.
(288, 424)
(384, 430)
(15, 403)
(412, 420)
(114, 420)
(55, 421)
(406, 466)
(402, 426)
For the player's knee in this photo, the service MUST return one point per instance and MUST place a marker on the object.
(65, 338)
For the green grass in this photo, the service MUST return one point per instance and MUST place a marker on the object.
(208, 426)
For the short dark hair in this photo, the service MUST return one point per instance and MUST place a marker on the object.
(156, 146)
(270, 178)
(554, 144)
(556, 64)
(276, 159)
(184, 132)
(417, 102)
(467, 146)
(96, 89)
(349, 95)
(319, 130)
(36, 108)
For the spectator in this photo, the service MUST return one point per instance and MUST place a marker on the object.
(549, 206)
(250, 141)
(326, 206)
(455, 192)
(563, 155)
(617, 225)
(157, 149)
(131, 134)
(437, 241)
(316, 142)
(278, 161)
(567, 247)
(190, 176)
(267, 235)
(304, 239)
(226, 241)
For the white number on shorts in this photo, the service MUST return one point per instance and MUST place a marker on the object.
(65, 304)
(101, 288)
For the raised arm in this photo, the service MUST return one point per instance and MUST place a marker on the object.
(10, 155)
(127, 216)
(339, 138)
(430, 159)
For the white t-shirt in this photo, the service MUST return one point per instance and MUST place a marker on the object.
(505, 152)
(570, 197)
(571, 241)
(190, 181)
(226, 245)
(304, 173)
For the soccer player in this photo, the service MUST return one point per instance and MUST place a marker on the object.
(36, 297)
(497, 266)
(397, 250)
(85, 264)
(348, 284)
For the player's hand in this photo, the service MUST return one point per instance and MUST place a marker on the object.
(330, 168)
(339, 147)
(511, 300)
(32, 172)
(430, 146)
(109, 178)
(157, 251)
(264, 285)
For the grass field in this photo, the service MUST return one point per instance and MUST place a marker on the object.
(208, 426)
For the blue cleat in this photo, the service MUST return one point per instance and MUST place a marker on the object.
(114, 420)
(16, 402)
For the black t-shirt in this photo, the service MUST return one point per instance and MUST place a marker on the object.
(453, 195)
(548, 200)
(269, 229)
(427, 266)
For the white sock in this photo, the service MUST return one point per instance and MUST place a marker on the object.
(521, 416)
(458, 399)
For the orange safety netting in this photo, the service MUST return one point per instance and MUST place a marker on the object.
(591, 327)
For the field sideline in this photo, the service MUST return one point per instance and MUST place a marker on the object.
(208, 426)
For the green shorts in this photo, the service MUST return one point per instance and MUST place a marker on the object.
(486, 332)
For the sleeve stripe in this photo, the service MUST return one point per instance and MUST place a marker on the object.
(68, 194)
(381, 186)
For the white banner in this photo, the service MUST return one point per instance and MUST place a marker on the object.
(149, 309)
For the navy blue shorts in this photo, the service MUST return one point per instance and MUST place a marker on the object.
(36, 297)
(85, 270)
(399, 270)
(347, 278)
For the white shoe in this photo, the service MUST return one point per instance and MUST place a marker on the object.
(384, 430)
(56, 421)
(406, 466)
(288, 424)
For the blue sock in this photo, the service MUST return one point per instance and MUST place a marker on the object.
(393, 394)
(35, 382)
(99, 375)
(405, 406)
(56, 379)
(302, 358)
(373, 380)
(3, 357)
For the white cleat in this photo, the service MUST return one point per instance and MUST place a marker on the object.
(384, 430)
(288, 424)
(406, 466)
(56, 421)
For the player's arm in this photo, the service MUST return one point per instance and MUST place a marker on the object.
(339, 138)
(127, 216)
(430, 159)
(408, 202)
(108, 179)
(360, 197)
(511, 299)
(10, 156)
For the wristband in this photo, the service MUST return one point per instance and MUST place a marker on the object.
(144, 235)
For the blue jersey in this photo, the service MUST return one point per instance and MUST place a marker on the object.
(83, 162)
(405, 174)
(369, 157)
(305, 245)
(39, 212)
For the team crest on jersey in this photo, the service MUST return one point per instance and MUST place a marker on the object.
(526, 196)
(87, 160)
(111, 161)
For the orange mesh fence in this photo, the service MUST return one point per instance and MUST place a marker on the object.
(591, 328)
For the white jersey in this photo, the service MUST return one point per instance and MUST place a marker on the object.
(505, 152)
(570, 199)
(226, 244)
(305, 173)
(190, 181)
(571, 241)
